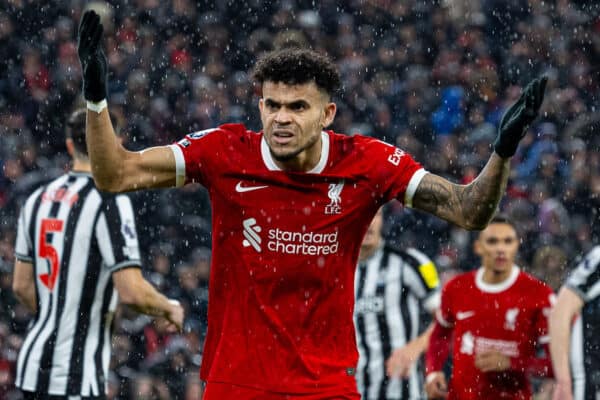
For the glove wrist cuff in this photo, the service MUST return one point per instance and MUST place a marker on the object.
(504, 153)
(97, 106)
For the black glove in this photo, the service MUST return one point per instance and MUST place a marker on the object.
(91, 57)
(518, 117)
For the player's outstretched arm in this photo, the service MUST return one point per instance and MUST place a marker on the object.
(114, 168)
(568, 304)
(469, 206)
(472, 206)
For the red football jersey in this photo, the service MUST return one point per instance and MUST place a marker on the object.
(510, 317)
(285, 247)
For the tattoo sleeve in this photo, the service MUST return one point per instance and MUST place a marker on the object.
(469, 206)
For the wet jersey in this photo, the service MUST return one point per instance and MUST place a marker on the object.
(510, 317)
(285, 247)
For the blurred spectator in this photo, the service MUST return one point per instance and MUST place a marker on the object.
(549, 264)
(423, 75)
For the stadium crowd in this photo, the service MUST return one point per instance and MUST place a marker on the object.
(433, 77)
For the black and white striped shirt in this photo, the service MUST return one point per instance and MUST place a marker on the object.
(75, 237)
(391, 288)
(585, 338)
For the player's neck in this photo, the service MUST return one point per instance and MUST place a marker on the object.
(494, 277)
(368, 251)
(80, 165)
(305, 161)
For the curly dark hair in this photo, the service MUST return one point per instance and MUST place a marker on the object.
(295, 66)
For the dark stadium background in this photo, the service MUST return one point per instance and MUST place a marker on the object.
(433, 77)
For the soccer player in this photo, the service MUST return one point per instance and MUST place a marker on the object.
(290, 206)
(579, 301)
(496, 319)
(75, 246)
(392, 287)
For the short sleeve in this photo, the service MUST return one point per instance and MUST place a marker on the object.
(444, 314)
(117, 235)
(585, 278)
(548, 298)
(195, 155)
(421, 278)
(23, 245)
(396, 174)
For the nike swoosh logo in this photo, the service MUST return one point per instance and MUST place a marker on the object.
(464, 315)
(241, 189)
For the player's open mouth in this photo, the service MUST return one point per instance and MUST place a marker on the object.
(282, 137)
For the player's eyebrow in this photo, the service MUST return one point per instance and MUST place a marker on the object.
(292, 104)
(495, 239)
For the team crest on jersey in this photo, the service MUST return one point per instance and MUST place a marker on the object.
(467, 343)
(511, 319)
(200, 134)
(335, 191)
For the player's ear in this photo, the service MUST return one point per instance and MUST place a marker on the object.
(261, 104)
(70, 146)
(477, 246)
(328, 114)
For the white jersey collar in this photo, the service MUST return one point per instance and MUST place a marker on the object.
(270, 163)
(496, 287)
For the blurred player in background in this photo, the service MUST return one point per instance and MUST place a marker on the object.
(495, 319)
(577, 376)
(290, 206)
(393, 287)
(75, 246)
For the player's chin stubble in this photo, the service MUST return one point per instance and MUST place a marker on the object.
(290, 156)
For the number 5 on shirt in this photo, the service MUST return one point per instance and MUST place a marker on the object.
(47, 251)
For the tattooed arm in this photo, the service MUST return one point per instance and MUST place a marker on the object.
(469, 206)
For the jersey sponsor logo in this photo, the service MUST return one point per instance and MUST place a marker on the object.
(241, 189)
(509, 348)
(369, 304)
(510, 320)
(305, 243)
(335, 191)
(289, 242)
(471, 344)
(429, 274)
(464, 315)
(251, 234)
(200, 134)
(396, 156)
